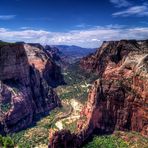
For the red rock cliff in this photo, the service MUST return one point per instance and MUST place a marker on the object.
(25, 75)
(119, 99)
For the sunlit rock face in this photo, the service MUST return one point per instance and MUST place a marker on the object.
(118, 100)
(26, 74)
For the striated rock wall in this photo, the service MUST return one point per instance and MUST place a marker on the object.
(45, 63)
(25, 79)
(118, 100)
(112, 53)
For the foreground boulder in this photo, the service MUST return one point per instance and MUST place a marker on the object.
(118, 100)
(26, 77)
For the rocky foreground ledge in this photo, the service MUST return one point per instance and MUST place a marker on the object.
(118, 100)
(26, 76)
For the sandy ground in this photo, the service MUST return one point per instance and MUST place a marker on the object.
(86, 85)
(59, 125)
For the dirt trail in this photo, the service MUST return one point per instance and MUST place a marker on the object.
(73, 115)
(62, 116)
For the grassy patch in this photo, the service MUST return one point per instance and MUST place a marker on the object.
(106, 142)
(78, 83)
(37, 135)
(134, 139)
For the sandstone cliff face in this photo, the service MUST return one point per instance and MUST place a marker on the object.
(45, 63)
(54, 52)
(25, 75)
(118, 100)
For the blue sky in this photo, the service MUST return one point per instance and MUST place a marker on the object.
(84, 23)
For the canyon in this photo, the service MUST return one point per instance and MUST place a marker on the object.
(118, 99)
(41, 94)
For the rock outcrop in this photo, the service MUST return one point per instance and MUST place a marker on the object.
(64, 139)
(118, 100)
(26, 77)
(53, 52)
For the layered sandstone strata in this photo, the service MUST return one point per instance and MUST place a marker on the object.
(26, 74)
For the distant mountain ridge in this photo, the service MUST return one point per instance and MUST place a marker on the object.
(62, 54)
(73, 53)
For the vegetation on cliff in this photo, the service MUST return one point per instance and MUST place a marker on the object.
(106, 142)
(6, 142)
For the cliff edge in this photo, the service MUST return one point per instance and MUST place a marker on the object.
(26, 77)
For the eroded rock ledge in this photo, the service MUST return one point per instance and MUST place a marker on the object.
(26, 74)
(118, 100)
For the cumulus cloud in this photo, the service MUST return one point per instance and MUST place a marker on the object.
(135, 10)
(92, 37)
(120, 3)
(7, 17)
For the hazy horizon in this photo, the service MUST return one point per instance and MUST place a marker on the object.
(83, 23)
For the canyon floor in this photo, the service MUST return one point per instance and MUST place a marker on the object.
(73, 96)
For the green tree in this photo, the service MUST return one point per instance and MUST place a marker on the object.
(1, 141)
(8, 142)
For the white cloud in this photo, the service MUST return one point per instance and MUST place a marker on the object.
(135, 10)
(7, 17)
(120, 3)
(25, 28)
(3, 30)
(92, 37)
(95, 40)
